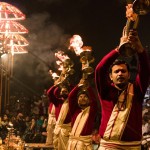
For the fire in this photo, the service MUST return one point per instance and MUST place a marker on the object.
(87, 48)
(130, 13)
(61, 56)
(53, 74)
(76, 43)
(60, 64)
(64, 61)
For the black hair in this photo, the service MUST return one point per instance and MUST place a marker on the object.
(82, 92)
(118, 62)
(65, 86)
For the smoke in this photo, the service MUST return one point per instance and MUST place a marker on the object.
(44, 38)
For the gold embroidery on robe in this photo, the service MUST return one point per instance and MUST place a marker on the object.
(119, 118)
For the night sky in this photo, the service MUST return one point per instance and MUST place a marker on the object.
(52, 22)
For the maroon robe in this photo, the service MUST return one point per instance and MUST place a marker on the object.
(108, 95)
(54, 98)
(75, 110)
(50, 107)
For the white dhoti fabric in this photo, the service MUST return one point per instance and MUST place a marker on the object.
(50, 129)
(62, 131)
(116, 125)
(119, 145)
(80, 143)
(76, 141)
(118, 119)
(61, 136)
(51, 126)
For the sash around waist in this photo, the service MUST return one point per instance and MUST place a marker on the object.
(120, 143)
(51, 119)
(51, 115)
(86, 139)
(64, 127)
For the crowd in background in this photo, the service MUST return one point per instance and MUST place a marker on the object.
(146, 114)
(28, 116)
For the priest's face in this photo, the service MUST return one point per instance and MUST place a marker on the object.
(64, 92)
(83, 101)
(120, 75)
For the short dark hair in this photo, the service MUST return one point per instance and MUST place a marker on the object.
(65, 87)
(119, 62)
(82, 92)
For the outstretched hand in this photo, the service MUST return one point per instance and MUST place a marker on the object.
(84, 83)
(133, 38)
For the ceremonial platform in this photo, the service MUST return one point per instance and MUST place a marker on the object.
(39, 146)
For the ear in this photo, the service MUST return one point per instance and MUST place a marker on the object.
(110, 76)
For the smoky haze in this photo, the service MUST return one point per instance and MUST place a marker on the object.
(44, 38)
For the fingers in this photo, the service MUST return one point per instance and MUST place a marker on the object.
(124, 31)
(133, 33)
(133, 36)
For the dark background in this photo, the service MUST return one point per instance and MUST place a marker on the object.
(52, 22)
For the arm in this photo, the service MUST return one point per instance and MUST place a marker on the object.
(94, 109)
(57, 92)
(52, 97)
(92, 98)
(101, 72)
(143, 75)
(73, 103)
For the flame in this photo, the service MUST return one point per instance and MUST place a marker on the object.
(60, 64)
(76, 43)
(130, 13)
(87, 48)
(61, 56)
(53, 74)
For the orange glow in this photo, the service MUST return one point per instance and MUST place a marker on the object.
(76, 43)
(130, 13)
(12, 27)
(10, 30)
(53, 74)
(9, 12)
(60, 64)
(61, 56)
(17, 39)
